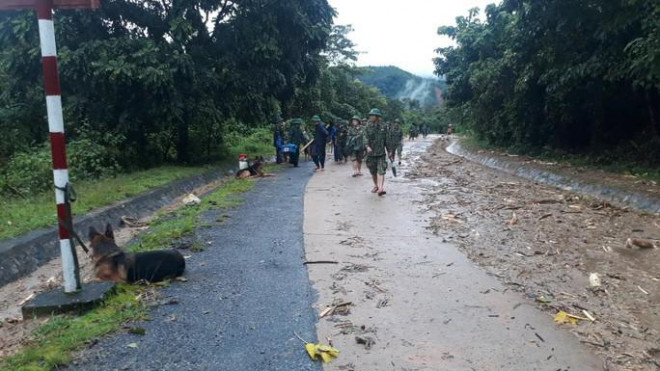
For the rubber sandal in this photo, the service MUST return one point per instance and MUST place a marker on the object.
(381, 193)
(374, 190)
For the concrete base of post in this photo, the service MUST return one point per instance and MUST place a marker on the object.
(57, 301)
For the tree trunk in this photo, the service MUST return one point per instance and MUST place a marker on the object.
(653, 121)
(182, 140)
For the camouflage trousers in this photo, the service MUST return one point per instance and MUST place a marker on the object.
(357, 156)
(377, 165)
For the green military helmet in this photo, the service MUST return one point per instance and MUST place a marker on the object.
(316, 118)
(375, 112)
(397, 121)
(296, 121)
(356, 117)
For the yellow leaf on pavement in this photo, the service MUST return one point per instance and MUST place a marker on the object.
(563, 317)
(311, 350)
(327, 353)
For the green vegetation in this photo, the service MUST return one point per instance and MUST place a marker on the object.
(23, 215)
(147, 84)
(575, 78)
(54, 341)
(171, 226)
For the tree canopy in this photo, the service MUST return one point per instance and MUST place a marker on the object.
(150, 82)
(578, 75)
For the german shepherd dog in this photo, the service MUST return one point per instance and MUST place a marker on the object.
(256, 169)
(111, 263)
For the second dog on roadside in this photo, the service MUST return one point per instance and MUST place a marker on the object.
(112, 263)
(256, 169)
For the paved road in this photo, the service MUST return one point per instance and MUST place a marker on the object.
(426, 306)
(245, 295)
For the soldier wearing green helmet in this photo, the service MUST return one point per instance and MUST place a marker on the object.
(396, 140)
(320, 139)
(355, 144)
(376, 135)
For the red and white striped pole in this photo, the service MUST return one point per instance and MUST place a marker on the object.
(70, 268)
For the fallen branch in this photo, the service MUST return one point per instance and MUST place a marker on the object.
(591, 318)
(545, 216)
(592, 343)
(320, 262)
(548, 201)
(331, 310)
(452, 163)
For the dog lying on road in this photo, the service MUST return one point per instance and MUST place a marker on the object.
(256, 169)
(111, 263)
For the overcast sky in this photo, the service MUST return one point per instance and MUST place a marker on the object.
(401, 32)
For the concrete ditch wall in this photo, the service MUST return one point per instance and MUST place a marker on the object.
(22, 255)
(623, 198)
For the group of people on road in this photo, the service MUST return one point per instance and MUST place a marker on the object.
(416, 130)
(370, 141)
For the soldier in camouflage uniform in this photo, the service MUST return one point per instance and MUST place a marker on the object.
(396, 140)
(342, 139)
(296, 137)
(376, 135)
(355, 145)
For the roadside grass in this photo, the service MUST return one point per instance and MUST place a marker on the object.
(20, 216)
(53, 343)
(259, 143)
(171, 226)
(609, 162)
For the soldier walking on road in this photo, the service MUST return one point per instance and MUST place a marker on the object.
(320, 140)
(296, 137)
(376, 138)
(355, 145)
(396, 137)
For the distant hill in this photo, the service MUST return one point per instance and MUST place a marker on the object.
(394, 82)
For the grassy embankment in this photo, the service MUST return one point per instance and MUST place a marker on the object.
(610, 162)
(53, 343)
(21, 215)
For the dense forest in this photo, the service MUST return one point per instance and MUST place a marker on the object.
(148, 83)
(578, 76)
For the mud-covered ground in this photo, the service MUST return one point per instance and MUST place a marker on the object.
(545, 243)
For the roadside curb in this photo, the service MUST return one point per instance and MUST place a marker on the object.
(637, 200)
(22, 255)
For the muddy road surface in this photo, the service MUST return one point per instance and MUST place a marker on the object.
(545, 243)
(405, 296)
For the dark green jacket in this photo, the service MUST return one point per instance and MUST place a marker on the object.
(376, 136)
